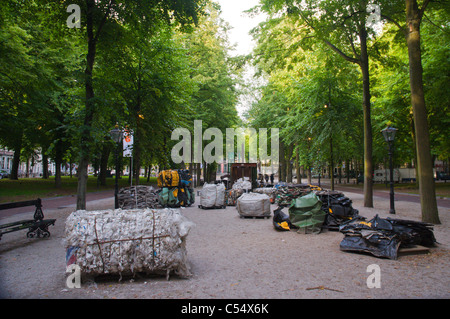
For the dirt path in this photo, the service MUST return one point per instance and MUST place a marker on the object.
(238, 258)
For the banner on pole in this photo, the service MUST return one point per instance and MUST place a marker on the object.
(127, 143)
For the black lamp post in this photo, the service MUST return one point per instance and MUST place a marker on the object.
(116, 136)
(389, 137)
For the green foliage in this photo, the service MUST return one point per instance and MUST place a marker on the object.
(391, 88)
(304, 74)
(158, 66)
(311, 95)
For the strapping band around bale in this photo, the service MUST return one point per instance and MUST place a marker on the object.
(98, 243)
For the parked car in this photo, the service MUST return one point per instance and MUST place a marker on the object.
(3, 174)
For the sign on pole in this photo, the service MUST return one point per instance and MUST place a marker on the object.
(127, 143)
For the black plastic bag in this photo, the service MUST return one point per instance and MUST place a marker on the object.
(338, 209)
(281, 221)
(413, 233)
(383, 237)
(376, 244)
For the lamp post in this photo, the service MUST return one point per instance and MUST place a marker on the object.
(389, 137)
(116, 136)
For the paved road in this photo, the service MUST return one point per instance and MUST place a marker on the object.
(56, 202)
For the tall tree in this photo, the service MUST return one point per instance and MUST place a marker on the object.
(95, 16)
(414, 16)
(342, 26)
(215, 74)
(411, 30)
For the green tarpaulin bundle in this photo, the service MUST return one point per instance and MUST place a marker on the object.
(306, 213)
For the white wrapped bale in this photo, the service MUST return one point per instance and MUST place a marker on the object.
(220, 197)
(212, 196)
(269, 191)
(128, 241)
(242, 183)
(138, 197)
(253, 205)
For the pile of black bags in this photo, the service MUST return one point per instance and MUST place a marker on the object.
(338, 208)
(379, 237)
(383, 237)
(318, 209)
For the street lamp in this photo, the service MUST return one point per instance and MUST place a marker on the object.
(116, 136)
(389, 137)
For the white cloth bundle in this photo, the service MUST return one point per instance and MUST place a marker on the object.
(128, 241)
(253, 204)
(212, 195)
(242, 183)
(269, 191)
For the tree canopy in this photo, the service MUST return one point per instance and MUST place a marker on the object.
(312, 93)
(331, 82)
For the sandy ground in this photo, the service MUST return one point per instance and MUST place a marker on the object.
(235, 258)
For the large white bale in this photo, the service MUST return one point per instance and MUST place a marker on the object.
(212, 195)
(220, 197)
(128, 241)
(253, 204)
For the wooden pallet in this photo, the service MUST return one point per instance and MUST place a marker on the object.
(415, 250)
(213, 207)
(255, 217)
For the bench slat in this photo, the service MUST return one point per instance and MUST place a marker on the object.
(34, 202)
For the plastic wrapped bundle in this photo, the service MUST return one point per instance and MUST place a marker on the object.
(306, 213)
(286, 193)
(138, 197)
(242, 183)
(269, 191)
(232, 196)
(212, 196)
(128, 241)
(253, 205)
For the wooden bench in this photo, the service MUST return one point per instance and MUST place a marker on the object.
(37, 227)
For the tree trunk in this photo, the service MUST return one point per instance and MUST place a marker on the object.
(137, 165)
(308, 173)
(27, 168)
(331, 164)
(137, 134)
(288, 164)
(198, 172)
(413, 137)
(86, 138)
(58, 161)
(368, 163)
(106, 150)
(424, 160)
(282, 170)
(347, 170)
(16, 160)
(297, 166)
(44, 165)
